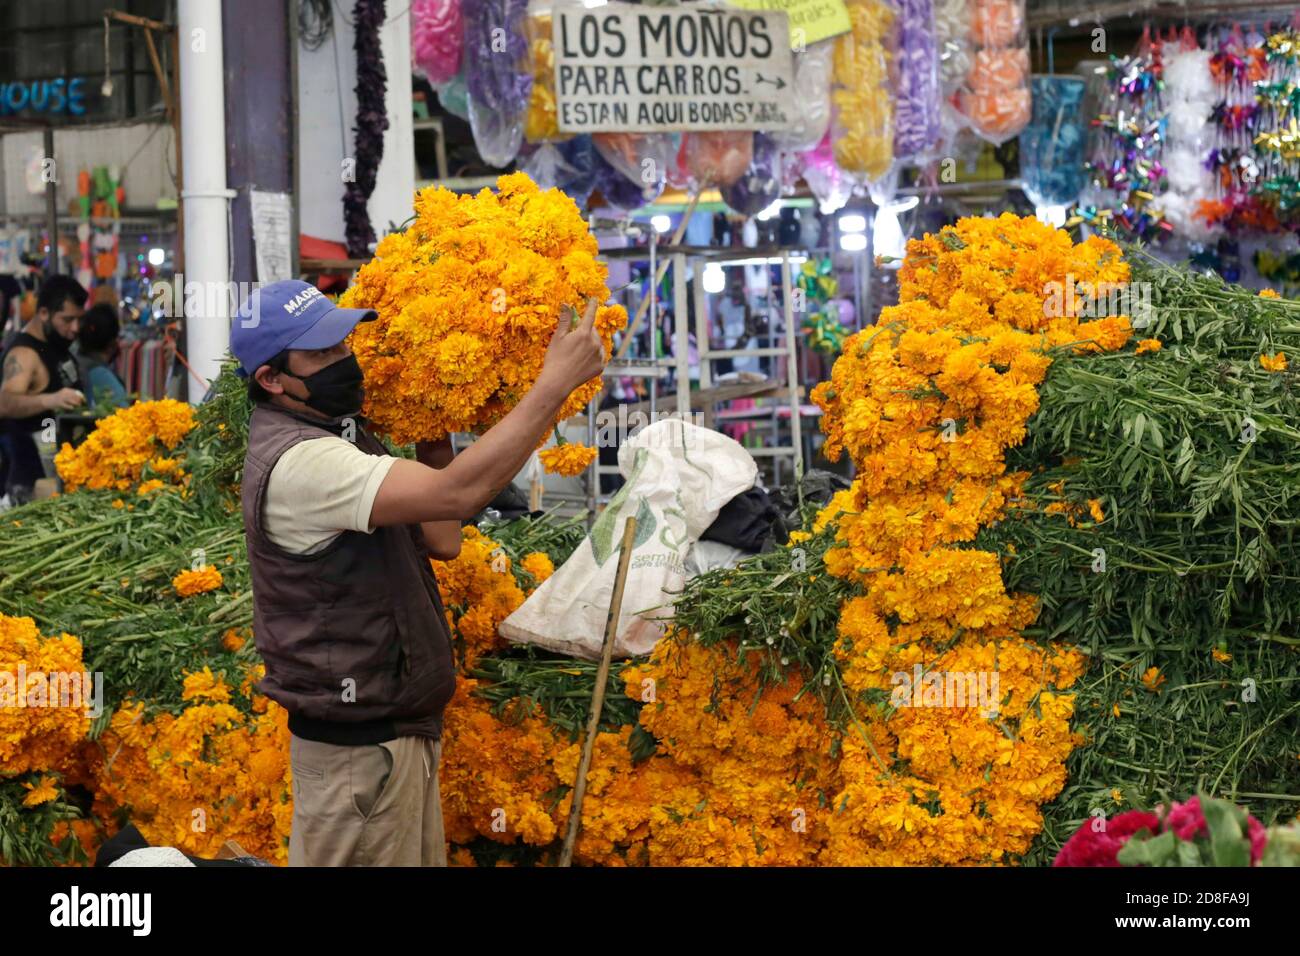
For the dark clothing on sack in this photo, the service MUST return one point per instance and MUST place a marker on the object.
(818, 487)
(24, 466)
(354, 636)
(757, 521)
(129, 839)
(508, 504)
(745, 522)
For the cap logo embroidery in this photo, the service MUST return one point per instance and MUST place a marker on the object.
(295, 305)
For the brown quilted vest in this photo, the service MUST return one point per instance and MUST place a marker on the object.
(354, 637)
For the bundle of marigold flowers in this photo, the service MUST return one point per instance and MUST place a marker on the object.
(35, 732)
(468, 298)
(117, 452)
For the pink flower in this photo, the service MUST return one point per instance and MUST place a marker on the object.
(436, 39)
(1188, 822)
(1089, 847)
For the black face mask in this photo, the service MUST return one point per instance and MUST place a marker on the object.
(336, 390)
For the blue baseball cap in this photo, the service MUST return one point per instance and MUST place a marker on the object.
(291, 314)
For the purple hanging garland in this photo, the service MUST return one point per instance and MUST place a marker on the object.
(917, 105)
(372, 121)
(496, 54)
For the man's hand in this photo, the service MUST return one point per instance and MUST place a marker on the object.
(575, 354)
(64, 400)
(415, 492)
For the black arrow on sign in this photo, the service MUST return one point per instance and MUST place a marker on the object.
(778, 82)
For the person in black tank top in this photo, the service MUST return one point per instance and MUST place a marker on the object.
(40, 379)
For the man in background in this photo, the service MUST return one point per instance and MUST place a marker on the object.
(40, 379)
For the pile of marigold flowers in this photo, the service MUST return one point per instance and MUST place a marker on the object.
(116, 454)
(1090, 526)
(469, 296)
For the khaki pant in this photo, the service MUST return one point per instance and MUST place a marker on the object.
(370, 805)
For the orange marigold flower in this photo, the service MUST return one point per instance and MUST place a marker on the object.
(189, 583)
(43, 791)
(569, 460)
(539, 565)
(1268, 294)
(1152, 678)
(1148, 345)
(204, 685)
(232, 640)
(1273, 363)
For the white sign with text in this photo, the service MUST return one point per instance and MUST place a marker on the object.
(625, 68)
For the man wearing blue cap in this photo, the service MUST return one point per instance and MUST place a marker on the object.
(346, 611)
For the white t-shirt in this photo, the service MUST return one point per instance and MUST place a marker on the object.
(317, 490)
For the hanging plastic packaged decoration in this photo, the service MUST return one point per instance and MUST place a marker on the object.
(454, 97)
(436, 40)
(569, 166)
(644, 158)
(812, 97)
(862, 125)
(717, 158)
(760, 185)
(995, 98)
(917, 113)
(498, 75)
(1125, 156)
(1052, 146)
(617, 189)
(952, 28)
(1277, 142)
(822, 323)
(541, 124)
(580, 157)
(1189, 97)
(828, 183)
(1236, 65)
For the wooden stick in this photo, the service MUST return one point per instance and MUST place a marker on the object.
(635, 325)
(135, 21)
(598, 696)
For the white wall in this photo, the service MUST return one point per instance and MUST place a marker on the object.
(326, 81)
(144, 150)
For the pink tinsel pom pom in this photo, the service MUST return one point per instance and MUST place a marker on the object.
(436, 39)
